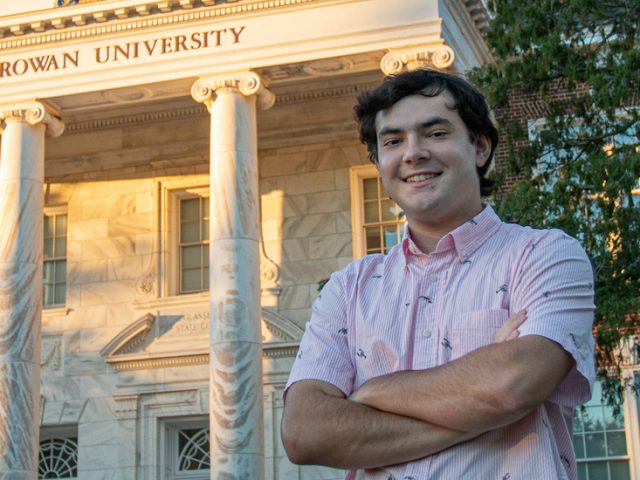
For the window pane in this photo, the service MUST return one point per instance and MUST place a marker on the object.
(61, 226)
(370, 188)
(48, 227)
(191, 280)
(60, 294)
(205, 279)
(47, 294)
(616, 444)
(613, 422)
(598, 471)
(595, 444)
(191, 257)
(190, 209)
(47, 272)
(371, 212)
(190, 232)
(60, 268)
(582, 471)
(619, 470)
(389, 210)
(204, 202)
(373, 239)
(578, 446)
(205, 229)
(60, 247)
(205, 256)
(593, 419)
(48, 248)
(390, 237)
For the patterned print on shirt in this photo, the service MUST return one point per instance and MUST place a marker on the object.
(361, 354)
(427, 299)
(446, 343)
(503, 288)
(342, 331)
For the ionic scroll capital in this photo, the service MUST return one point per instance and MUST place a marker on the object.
(429, 56)
(33, 113)
(206, 89)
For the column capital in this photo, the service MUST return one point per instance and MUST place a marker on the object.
(33, 113)
(206, 89)
(413, 58)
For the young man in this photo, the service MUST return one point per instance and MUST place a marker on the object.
(403, 372)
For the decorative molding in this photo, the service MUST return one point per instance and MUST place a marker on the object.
(123, 20)
(478, 12)
(130, 338)
(206, 89)
(439, 57)
(157, 361)
(126, 406)
(140, 118)
(123, 352)
(200, 110)
(33, 113)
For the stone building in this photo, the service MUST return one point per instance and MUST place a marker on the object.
(143, 141)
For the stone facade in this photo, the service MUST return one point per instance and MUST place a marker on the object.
(245, 102)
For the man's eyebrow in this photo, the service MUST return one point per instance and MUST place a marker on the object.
(426, 124)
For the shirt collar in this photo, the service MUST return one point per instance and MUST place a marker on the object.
(465, 239)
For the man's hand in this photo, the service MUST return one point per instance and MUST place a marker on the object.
(509, 330)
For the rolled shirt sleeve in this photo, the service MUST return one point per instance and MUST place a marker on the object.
(554, 284)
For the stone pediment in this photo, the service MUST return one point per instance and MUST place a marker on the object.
(160, 340)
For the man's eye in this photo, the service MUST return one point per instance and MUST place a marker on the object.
(390, 142)
(437, 133)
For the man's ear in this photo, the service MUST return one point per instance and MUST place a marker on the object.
(483, 150)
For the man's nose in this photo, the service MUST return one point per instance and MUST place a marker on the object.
(417, 149)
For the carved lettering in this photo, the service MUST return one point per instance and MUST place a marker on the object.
(218, 34)
(150, 49)
(166, 45)
(20, 67)
(236, 34)
(180, 43)
(122, 52)
(71, 57)
(99, 58)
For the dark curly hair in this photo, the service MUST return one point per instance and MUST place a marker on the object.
(470, 104)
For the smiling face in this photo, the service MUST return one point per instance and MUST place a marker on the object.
(427, 162)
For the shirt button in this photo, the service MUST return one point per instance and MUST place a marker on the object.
(434, 277)
(426, 333)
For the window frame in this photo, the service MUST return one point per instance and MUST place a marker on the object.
(170, 438)
(53, 212)
(66, 432)
(172, 266)
(357, 175)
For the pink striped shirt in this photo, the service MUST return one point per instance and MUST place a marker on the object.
(409, 311)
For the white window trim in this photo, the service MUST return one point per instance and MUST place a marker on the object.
(168, 439)
(169, 192)
(176, 196)
(50, 211)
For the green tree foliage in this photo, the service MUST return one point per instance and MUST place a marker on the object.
(576, 63)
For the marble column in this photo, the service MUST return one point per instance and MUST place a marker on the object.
(236, 416)
(21, 211)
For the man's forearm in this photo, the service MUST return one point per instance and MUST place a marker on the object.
(488, 388)
(319, 428)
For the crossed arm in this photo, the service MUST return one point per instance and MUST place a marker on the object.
(408, 415)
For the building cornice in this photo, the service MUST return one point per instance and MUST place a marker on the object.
(75, 23)
(286, 98)
(122, 363)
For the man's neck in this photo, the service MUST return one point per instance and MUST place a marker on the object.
(427, 236)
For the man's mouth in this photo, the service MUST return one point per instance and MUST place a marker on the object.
(420, 177)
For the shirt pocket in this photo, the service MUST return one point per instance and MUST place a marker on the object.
(472, 330)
